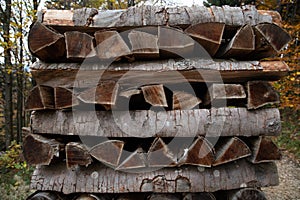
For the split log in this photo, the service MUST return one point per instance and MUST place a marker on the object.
(184, 101)
(40, 98)
(156, 72)
(110, 45)
(200, 153)
(163, 197)
(135, 161)
(247, 194)
(199, 196)
(103, 94)
(269, 40)
(38, 150)
(129, 93)
(240, 46)
(77, 155)
(261, 93)
(264, 150)
(208, 35)
(210, 123)
(159, 155)
(108, 152)
(174, 43)
(46, 196)
(219, 92)
(64, 98)
(147, 15)
(230, 149)
(98, 178)
(44, 41)
(143, 45)
(79, 45)
(92, 197)
(155, 95)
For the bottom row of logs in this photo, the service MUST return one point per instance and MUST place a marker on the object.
(129, 154)
(241, 194)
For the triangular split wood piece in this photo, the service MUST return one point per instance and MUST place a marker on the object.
(77, 155)
(230, 149)
(108, 152)
(144, 45)
(269, 39)
(200, 153)
(260, 93)
(174, 42)
(40, 98)
(264, 150)
(155, 95)
(79, 45)
(184, 101)
(64, 98)
(110, 45)
(159, 155)
(135, 161)
(46, 43)
(208, 35)
(240, 45)
(105, 94)
(38, 150)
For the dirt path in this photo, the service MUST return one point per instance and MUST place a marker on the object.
(289, 178)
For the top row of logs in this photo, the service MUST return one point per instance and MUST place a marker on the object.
(205, 40)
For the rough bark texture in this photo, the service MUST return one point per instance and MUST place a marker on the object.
(153, 15)
(100, 179)
(137, 74)
(180, 123)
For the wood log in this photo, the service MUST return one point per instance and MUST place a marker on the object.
(240, 46)
(219, 92)
(104, 93)
(77, 155)
(108, 152)
(184, 101)
(147, 15)
(200, 153)
(98, 178)
(210, 123)
(79, 45)
(156, 72)
(155, 95)
(110, 45)
(174, 43)
(40, 98)
(129, 93)
(264, 150)
(159, 155)
(46, 196)
(199, 196)
(44, 41)
(247, 194)
(269, 40)
(163, 197)
(38, 150)
(131, 196)
(261, 93)
(208, 35)
(92, 197)
(135, 161)
(230, 149)
(64, 98)
(143, 45)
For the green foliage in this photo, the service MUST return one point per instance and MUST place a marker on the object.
(290, 137)
(14, 174)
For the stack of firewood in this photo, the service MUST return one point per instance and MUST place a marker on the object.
(154, 103)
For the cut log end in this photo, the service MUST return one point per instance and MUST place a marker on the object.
(155, 95)
(40, 98)
(77, 155)
(247, 194)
